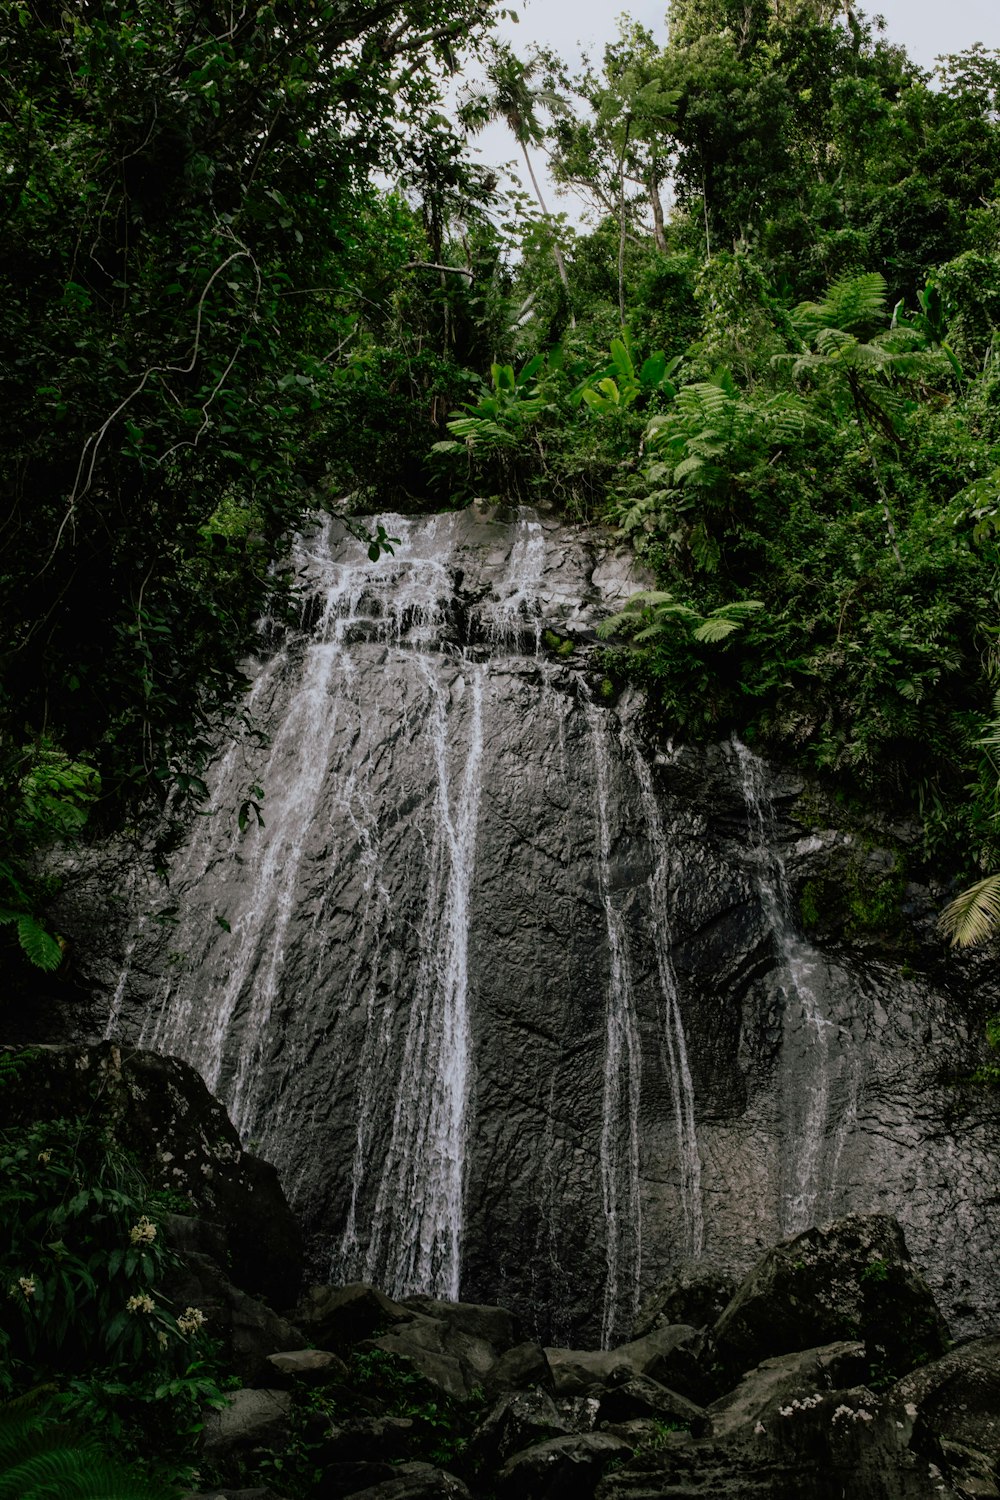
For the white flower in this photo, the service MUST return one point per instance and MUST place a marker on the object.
(191, 1320)
(161, 1339)
(27, 1285)
(143, 1233)
(759, 1430)
(143, 1303)
(44, 1157)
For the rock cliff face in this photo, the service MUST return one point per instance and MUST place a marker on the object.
(519, 1004)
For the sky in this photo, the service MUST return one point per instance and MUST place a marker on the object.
(926, 28)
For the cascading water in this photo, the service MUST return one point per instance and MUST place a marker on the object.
(809, 1035)
(671, 1020)
(488, 991)
(622, 1077)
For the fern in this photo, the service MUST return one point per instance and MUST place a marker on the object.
(41, 1459)
(973, 916)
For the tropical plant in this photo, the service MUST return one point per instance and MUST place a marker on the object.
(653, 613)
(43, 1457)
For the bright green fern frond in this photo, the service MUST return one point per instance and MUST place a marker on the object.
(973, 916)
(715, 628)
(854, 304)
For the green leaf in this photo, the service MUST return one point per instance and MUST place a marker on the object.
(40, 946)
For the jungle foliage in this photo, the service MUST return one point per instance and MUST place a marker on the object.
(241, 251)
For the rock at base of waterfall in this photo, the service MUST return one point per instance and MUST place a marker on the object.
(519, 1369)
(339, 1316)
(957, 1399)
(416, 1482)
(578, 1371)
(250, 1420)
(314, 1366)
(693, 1296)
(851, 1280)
(564, 1468)
(489, 1324)
(786, 1382)
(247, 1330)
(518, 1421)
(159, 1109)
(645, 1398)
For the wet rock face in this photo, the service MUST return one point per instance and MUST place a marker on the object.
(518, 1003)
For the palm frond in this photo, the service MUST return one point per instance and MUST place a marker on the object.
(973, 916)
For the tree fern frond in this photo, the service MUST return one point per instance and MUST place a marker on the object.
(715, 628)
(973, 916)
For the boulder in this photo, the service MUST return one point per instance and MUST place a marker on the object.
(490, 1325)
(667, 1355)
(387, 1439)
(564, 1468)
(852, 1280)
(416, 1482)
(314, 1366)
(692, 1296)
(159, 1109)
(441, 1350)
(519, 1369)
(519, 1420)
(249, 1420)
(248, 1330)
(641, 1397)
(343, 1479)
(784, 1383)
(956, 1401)
(337, 1317)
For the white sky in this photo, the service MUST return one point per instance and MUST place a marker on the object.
(926, 28)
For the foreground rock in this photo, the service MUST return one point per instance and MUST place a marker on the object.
(854, 1279)
(159, 1109)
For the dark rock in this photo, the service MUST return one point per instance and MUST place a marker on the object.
(564, 1468)
(455, 1361)
(191, 1235)
(341, 1480)
(417, 1482)
(519, 1369)
(387, 1438)
(252, 1494)
(852, 1280)
(248, 1330)
(159, 1109)
(314, 1366)
(694, 1296)
(250, 1419)
(339, 1316)
(785, 1382)
(956, 1400)
(642, 1397)
(668, 1355)
(517, 1421)
(490, 1325)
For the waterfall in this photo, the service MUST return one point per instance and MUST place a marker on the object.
(622, 1075)
(417, 1225)
(671, 1020)
(808, 1044)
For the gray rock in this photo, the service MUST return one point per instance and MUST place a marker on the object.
(519, 1369)
(247, 1329)
(249, 1420)
(341, 1316)
(853, 1279)
(665, 1353)
(314, 1366)
(417, 1482)
(642, 1397)
(564, 1468)
(386, 1439)
(778, 1383)
(956, 1400)
(487, 1324)
(518, 1421)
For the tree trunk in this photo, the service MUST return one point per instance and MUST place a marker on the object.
(621, 222)
(557, 253)
(653, 187)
